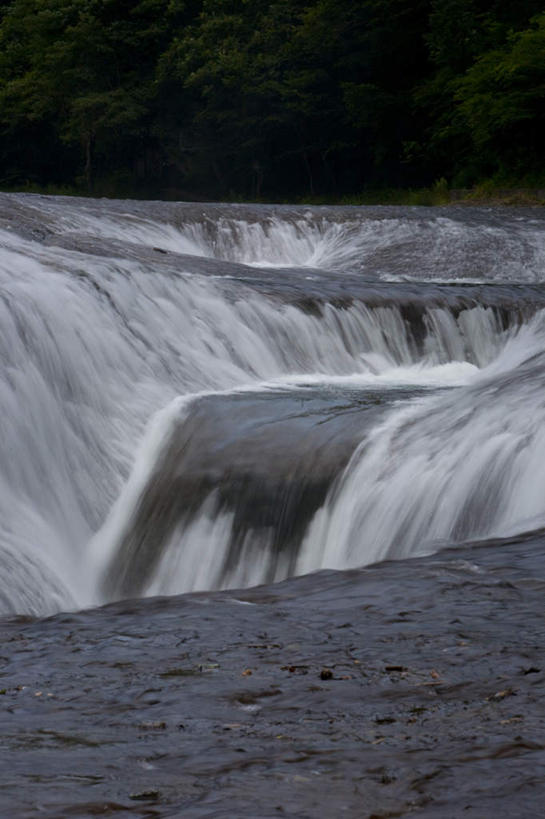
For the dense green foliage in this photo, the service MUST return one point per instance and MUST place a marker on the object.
(270, 98)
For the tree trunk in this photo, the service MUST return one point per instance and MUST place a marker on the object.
(309, 171)
(89, 161)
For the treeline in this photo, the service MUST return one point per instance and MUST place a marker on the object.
(270, 98)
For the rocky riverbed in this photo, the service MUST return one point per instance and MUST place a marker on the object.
(411, 688)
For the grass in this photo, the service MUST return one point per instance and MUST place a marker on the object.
(488, 192)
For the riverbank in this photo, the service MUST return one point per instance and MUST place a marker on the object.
(436, 195)
(410, 688)
(441, 195)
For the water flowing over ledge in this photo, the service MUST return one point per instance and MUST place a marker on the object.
(321, 387)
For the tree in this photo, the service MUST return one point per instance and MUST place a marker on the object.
(81, 72)
(460, 34)
(501, 102)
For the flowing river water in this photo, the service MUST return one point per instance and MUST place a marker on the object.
(198, 396)
(204, 397)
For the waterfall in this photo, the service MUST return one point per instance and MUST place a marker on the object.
(279, 389)
(449, 468)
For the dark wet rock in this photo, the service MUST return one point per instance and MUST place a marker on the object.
(149, 795)
(96, 713)
(326, 674)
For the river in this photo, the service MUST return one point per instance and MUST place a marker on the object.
(197, 398)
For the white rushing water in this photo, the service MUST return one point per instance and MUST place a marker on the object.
(444, 468)
(97, 338)
(394, 244)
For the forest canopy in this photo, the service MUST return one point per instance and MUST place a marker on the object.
(261, 99)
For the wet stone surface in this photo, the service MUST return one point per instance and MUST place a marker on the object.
(409, 688)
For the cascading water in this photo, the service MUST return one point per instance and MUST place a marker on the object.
(444, 469)
(201, 396)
